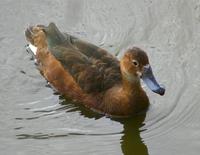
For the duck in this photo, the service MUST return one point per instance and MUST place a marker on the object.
(90, 75)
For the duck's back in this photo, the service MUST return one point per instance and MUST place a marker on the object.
(94, 69)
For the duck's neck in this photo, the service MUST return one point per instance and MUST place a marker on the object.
(131, 84)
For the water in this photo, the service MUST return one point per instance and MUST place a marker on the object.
(34, 120)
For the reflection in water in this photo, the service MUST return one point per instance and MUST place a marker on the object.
(80, 108)
(131, 142)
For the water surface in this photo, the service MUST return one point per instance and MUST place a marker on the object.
(34, 120)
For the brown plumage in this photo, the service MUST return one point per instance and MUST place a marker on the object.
(90, 75)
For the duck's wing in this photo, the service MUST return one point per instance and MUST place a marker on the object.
(93, 68)
(55, 37)
(94, 71)
(87, 48)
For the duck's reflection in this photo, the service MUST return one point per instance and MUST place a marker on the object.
(131, 142)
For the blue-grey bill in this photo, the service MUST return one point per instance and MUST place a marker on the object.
(151, 82)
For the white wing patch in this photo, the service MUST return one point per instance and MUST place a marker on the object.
(32, 48)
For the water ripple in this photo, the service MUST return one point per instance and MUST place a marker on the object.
(53, 135)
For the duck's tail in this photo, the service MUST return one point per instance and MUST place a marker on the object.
(58, 77)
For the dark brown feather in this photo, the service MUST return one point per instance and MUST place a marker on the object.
(93, 68)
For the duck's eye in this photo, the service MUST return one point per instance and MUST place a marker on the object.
(135, 62)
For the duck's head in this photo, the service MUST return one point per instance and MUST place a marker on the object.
(51, 34)
(135, 66)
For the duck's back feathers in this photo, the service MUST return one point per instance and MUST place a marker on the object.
(93, 68)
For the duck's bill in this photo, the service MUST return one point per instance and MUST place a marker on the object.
(151, 82)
